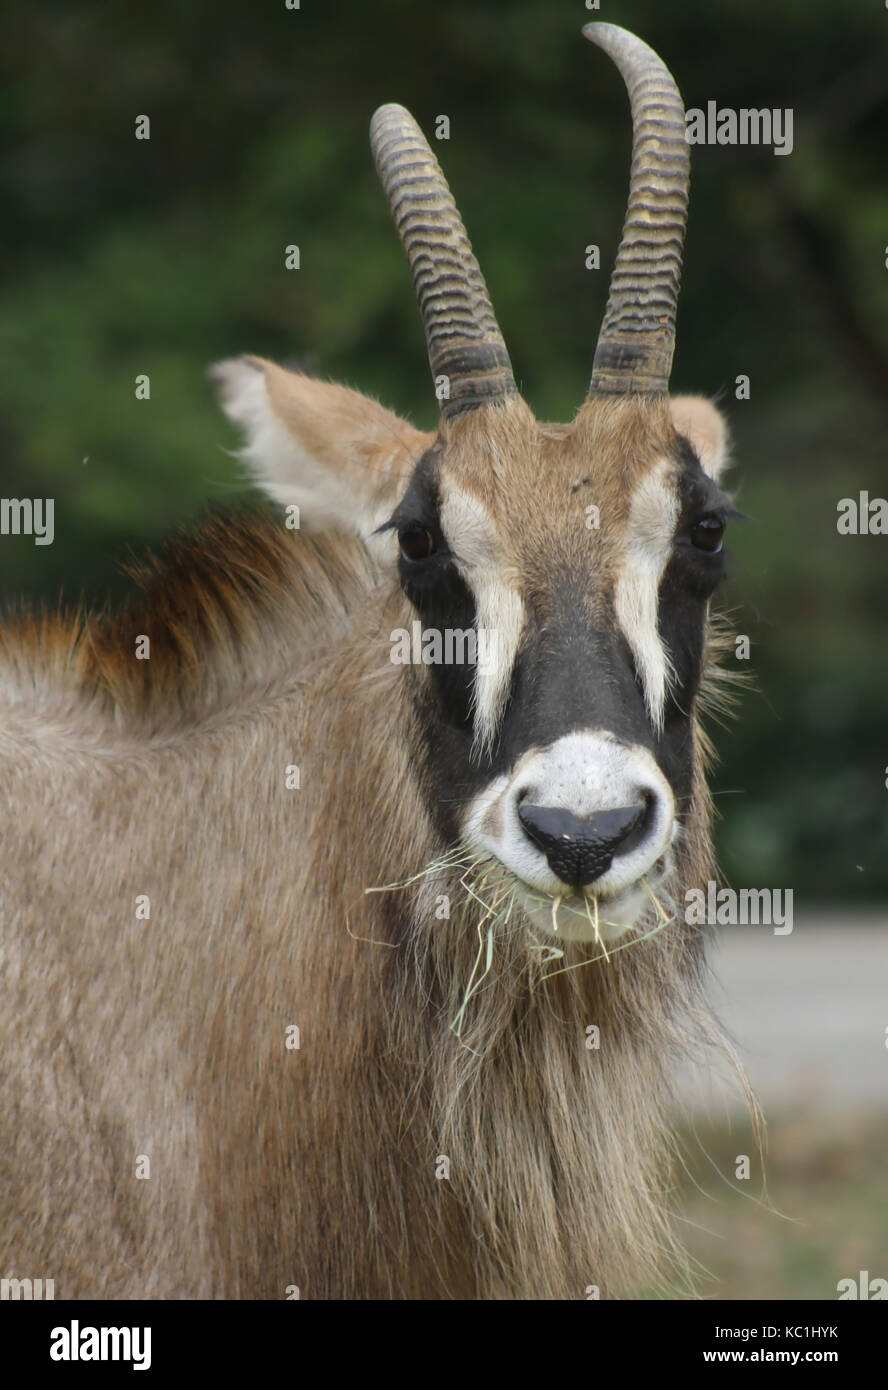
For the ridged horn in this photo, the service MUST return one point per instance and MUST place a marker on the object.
(463, 339)
(637, 338)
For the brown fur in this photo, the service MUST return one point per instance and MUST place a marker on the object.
(121, 1037)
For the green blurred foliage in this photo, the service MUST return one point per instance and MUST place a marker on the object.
(160, 256)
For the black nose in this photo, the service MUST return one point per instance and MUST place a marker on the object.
(581, 850)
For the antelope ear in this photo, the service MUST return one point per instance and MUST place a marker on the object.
(705, 428)
(343, 459)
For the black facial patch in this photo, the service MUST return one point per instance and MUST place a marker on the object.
(700, 500)
(443, 602)
(569, 675)
(688, 582)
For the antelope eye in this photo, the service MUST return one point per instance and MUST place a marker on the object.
(416, 543)
(708, 534)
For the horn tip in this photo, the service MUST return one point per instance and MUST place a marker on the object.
(602, 33)
(387, 112)
(618, 42)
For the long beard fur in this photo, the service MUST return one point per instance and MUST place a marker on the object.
(557, 1139)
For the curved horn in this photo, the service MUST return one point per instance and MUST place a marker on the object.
(463, 339)
(637, 338)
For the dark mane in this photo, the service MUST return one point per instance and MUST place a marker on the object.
(240, 602)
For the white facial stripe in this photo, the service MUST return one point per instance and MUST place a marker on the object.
(498, 607)
(653, 515)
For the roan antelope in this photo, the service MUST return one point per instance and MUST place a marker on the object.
(467, 900)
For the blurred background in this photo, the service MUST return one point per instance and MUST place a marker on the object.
(126, 256)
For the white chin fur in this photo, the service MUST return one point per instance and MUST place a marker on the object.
(571, 921)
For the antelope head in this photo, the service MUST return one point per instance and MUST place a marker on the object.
(585, 553)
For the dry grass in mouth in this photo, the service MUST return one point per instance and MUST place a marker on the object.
(492, 893)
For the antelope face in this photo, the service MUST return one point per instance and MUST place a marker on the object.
(583, 557)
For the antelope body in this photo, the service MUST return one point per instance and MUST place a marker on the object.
(476, 1107)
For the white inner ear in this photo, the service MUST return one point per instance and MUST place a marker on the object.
(276, 460)
(705, 428)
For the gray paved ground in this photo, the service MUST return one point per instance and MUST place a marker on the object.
(808, 1011)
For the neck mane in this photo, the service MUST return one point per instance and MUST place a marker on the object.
(240, 607)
